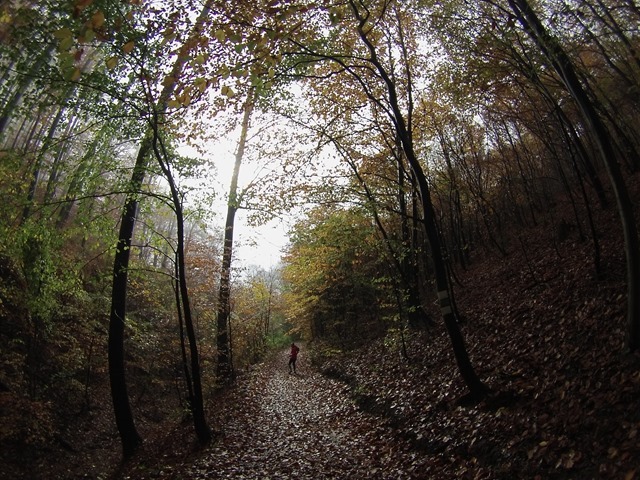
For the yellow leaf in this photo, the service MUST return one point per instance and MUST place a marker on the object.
(168, 81)
(173, 103)
(75, 76)
(112, 62)
(227, 91)
(220, 35)
(128, 47)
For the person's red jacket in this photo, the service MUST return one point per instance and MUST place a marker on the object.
(294, 351)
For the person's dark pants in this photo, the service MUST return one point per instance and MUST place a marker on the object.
(292, 364)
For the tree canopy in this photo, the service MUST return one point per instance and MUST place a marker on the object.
(400, 143)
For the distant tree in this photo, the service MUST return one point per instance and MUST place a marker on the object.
(334, 278)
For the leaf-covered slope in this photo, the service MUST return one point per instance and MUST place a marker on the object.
(549, 339)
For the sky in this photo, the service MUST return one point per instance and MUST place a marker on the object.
(259, 246)
(253, 246)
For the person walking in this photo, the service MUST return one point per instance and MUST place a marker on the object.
(293, 356)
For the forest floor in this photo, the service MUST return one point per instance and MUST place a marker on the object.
(544, 331)
(281, 425)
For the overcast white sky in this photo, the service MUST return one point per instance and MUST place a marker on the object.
(260, 246)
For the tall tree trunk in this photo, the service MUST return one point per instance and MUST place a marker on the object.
(417, 317)
(122, 410)
(476, 388)
(197, 401)
(129, 436)
(563, 66)
(183, 347)
(225, 367)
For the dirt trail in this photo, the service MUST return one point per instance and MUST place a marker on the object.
(302, 426)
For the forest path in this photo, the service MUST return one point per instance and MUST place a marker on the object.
(302, 426)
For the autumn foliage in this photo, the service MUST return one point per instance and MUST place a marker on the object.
(459, 184)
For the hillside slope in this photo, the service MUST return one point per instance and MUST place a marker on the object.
(548, 338)
(544, 332)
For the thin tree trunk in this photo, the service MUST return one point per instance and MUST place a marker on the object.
(225, 367)
(564, 68)
(197, 401)
(476, 388)
(183, 347)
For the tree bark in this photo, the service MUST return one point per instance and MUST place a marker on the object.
(129, 436)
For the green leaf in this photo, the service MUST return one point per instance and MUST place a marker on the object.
(66, 44)
(89, 35)
(63, 33)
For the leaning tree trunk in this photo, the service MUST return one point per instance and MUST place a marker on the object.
(563, 66)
